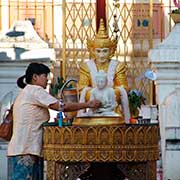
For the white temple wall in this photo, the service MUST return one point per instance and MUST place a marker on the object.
(165, 61)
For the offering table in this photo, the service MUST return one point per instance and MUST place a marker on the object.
(69, 151)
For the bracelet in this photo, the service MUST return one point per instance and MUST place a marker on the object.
(61, 104)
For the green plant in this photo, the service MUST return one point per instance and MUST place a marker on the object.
(176, 11)
(57, 85)
(136, 99)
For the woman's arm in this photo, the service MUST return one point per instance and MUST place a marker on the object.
(75, 106)
(55, 106)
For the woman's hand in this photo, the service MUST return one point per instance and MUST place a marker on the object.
(74, 106)
(94, 104)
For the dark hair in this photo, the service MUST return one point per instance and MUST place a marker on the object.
(33, 68)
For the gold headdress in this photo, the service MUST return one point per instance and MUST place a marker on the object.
(102, 40)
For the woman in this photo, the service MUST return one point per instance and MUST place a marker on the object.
(30, 111)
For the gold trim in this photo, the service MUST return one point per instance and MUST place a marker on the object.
(97, 121)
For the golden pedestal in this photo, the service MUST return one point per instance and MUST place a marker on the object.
(70, 150)
(98, 121)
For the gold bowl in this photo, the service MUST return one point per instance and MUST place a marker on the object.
(175, 17)
(98, 121)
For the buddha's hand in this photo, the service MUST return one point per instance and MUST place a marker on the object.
(94, 104)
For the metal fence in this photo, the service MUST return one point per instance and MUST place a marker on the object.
(66, 24)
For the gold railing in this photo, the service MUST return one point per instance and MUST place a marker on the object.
(142, 26)
(79, 23)
(135, 39)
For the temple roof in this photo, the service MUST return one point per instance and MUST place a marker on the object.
(21, 41)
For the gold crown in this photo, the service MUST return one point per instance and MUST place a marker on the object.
(102, 40)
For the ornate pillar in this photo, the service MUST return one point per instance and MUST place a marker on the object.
(165, 60)
(100, 12)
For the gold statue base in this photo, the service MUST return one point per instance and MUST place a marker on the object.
(98, 121)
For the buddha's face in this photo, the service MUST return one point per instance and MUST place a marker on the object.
(101, 82)
(102, 55)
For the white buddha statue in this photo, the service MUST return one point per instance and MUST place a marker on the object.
(105, 94)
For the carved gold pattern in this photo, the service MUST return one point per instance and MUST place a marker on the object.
(141, 170)
(51, 169)
(70, 171)
(101, 143)
(69, 151)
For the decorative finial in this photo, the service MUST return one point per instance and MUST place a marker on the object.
(102, 33)
(116, 27)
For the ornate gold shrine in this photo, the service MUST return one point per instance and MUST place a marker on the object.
(70, 150)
